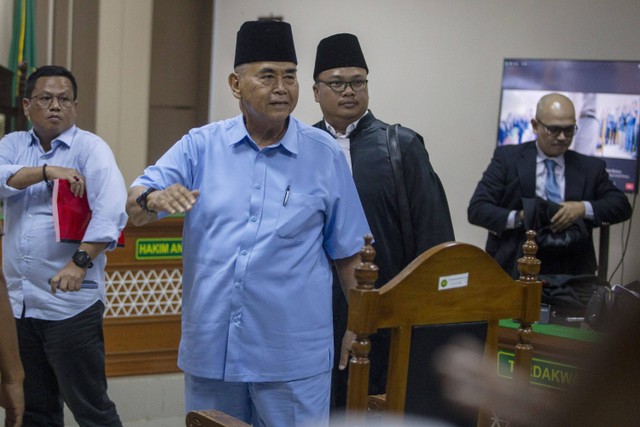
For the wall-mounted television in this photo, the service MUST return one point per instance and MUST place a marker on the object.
(606, 95)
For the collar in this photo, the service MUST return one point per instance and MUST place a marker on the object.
(541, 157)
(289, 141)
(65, 137)
(348, 131)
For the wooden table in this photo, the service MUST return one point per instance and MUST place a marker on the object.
(558, 352)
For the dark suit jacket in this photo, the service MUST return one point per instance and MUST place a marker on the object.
(511, 176)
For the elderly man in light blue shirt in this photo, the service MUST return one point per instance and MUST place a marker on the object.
(57, 288)
(270, 204)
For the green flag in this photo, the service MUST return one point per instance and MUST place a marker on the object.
(23, 42)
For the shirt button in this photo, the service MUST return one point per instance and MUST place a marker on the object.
(254, 219)
(243, 252)
(237, 285)
(258, 186)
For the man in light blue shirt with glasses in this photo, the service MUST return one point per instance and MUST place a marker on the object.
(56, 287)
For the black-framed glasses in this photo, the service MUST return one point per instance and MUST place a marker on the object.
(554, 131)
(339, 86)
(44, 101)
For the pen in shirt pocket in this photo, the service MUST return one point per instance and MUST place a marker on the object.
(86, 284)
(286, 195)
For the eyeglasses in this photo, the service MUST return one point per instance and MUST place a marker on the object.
(340, 86)
(554, 131)
(44, 101)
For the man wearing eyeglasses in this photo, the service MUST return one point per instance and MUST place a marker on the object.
(575, 188)
(57, 288)
(340, 88)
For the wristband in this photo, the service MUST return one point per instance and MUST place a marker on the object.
(142, 200)
(44, 177)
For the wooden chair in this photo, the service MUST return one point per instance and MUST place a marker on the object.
(450, 283)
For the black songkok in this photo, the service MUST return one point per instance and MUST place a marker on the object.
(259, 41)
(338, 51)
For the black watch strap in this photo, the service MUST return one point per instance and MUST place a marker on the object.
(141, 200)
(82, 259)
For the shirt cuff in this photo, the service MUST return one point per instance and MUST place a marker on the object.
(512, 220)
(588, 211)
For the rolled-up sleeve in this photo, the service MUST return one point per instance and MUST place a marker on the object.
(9, 146)
(107, 195)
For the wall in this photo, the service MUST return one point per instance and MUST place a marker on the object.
(124, 60)
(436, 67)
(179, 61)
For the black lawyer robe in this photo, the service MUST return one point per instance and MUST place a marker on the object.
(430, 218)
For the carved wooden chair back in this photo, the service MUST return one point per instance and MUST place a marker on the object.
(448, 284)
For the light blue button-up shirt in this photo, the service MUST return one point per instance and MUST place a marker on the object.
(257, 247)
(30, 253)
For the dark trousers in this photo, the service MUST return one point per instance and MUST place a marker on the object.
(64, 361)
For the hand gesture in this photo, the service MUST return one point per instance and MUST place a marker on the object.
(174, 199)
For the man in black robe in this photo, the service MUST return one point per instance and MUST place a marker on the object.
(340, 88)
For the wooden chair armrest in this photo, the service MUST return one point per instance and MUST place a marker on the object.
(212, 418)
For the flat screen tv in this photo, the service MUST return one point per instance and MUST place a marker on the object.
(606, 95)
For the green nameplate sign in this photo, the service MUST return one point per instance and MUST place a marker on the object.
(159, 248)
(543, 372)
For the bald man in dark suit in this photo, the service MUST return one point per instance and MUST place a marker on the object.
(578, 185)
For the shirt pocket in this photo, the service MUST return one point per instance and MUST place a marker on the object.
(300, 217)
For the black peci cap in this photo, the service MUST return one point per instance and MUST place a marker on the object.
(337, 51)
(265, 41)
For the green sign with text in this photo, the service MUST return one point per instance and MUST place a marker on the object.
(159, 248)
(543, 372)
